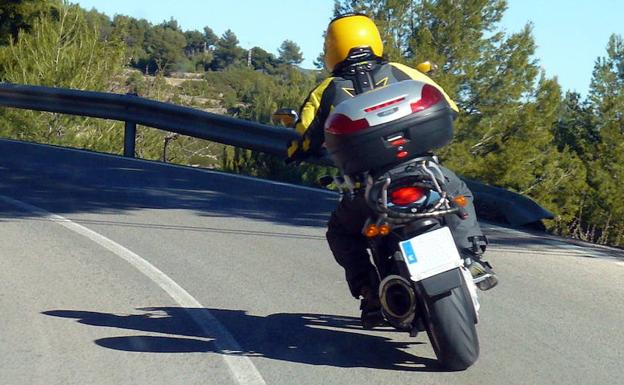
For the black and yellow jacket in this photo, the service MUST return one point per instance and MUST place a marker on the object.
(345, 84)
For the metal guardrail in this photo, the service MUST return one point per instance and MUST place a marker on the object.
(508, 206)
(136, 110)
(500, 205)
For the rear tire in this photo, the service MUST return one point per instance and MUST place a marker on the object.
(451, 329)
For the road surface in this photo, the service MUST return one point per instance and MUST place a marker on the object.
(119, 271)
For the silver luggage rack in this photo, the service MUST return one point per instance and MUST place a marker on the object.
(426, 174)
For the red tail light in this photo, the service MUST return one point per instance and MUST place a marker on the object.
(383, 105)
(405, 195)
(340, 124)
(428, 97)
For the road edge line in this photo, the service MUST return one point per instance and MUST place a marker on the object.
(241, 367)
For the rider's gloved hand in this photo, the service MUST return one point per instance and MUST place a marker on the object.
(296, 153)
(297, 157)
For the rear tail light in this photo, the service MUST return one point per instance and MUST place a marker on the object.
(383, 105)
(428, 97)
(405, 195)
(340, 124)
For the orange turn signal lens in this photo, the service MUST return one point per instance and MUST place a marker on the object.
(460, 200)
(384, 229)
(371, 231)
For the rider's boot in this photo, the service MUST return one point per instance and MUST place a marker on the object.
(371, 308)
(482, 273)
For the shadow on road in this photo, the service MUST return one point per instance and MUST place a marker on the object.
(314, 339)
(66, 181)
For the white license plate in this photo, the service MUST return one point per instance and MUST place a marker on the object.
(431, 253)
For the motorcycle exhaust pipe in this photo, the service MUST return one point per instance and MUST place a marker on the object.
(397, 299)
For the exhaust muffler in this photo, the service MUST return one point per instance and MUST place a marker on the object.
(398, 301)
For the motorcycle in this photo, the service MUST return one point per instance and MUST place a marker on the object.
(381, 141)
(424, 283)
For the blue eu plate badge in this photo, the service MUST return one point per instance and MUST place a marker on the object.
(409, 253)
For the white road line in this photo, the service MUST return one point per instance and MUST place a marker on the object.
(243, 370)
(493, 247)
(558, 246)
(568, 253)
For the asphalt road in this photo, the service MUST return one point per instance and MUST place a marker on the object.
(117, 271)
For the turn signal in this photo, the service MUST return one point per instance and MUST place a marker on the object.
(460, 200)
(371, 231)
(384, 229)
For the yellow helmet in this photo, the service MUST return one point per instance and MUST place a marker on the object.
(347, 32)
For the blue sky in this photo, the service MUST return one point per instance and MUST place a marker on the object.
(570, 34)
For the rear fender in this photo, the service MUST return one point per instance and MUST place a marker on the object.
(447, 281)
(443, 282)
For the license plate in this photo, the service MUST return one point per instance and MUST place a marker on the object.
(431, 253)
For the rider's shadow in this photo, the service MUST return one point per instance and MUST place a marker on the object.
(314, 339)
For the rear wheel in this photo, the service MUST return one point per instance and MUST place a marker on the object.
(451, 329)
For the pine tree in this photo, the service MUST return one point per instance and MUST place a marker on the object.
(195, 43)
(62, 50)
(227, 52)
(19, 15)
(164, 45)
(134, 33)
(576, 128)
(263, 60)
(290, 53)
(210, 37)
(606, 175)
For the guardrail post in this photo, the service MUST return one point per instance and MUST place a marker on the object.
(129, 139)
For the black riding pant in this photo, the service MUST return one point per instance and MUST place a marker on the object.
(349, 246)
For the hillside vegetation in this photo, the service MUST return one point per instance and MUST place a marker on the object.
(517, 128)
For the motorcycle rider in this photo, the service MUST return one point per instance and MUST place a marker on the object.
(354, 56)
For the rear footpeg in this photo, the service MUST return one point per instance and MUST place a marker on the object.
(481, 278)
